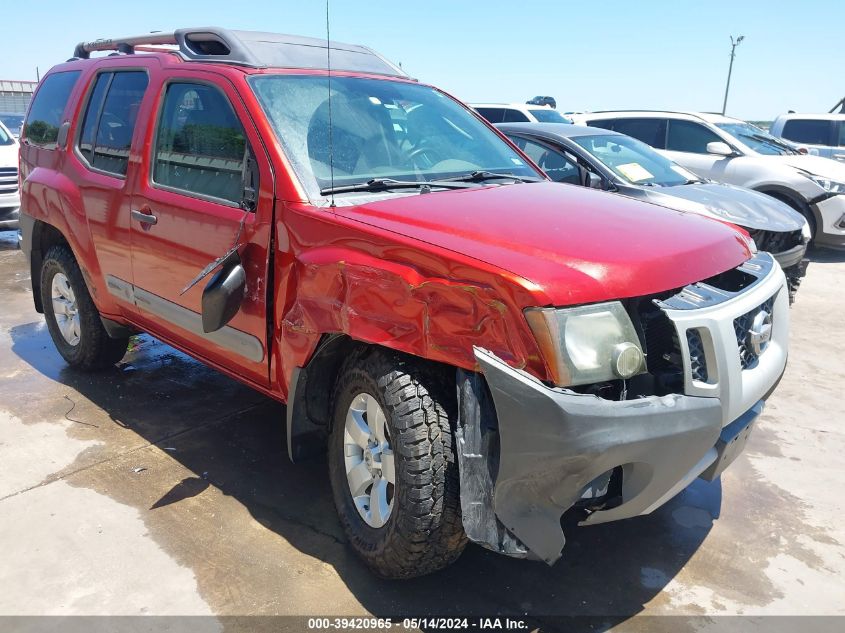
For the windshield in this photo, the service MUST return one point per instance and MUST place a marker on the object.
(13, 122)
(380, 129)
(634, 161)
(547, 115)
(756, 138)
(5, 137)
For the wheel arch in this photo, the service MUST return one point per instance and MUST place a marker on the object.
(794, 200)
(44, 236)
(309, 405)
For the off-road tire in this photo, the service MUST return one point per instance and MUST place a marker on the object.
(424, 532)
(95, 349)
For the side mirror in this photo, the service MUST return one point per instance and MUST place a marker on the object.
(719, 148)
(594, 180)
(223, 295)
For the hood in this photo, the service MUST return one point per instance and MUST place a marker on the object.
(746, 208)
(9, 155)
(574, 244)
(825, 167)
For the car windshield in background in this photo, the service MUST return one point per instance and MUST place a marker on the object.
(6, 137)
(547, 115)
(380, 131)
(756, 138)
(14, 122)
(634, 161)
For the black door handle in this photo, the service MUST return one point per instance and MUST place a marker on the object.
(144, 218)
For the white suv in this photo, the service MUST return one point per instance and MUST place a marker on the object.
(518, 113)
(733, 151)
(822, 134)
(10, 199)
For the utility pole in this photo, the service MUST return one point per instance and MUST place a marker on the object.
(734, 44)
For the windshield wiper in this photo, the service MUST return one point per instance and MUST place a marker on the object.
(481, 176)
(770, 141)
(385, 184)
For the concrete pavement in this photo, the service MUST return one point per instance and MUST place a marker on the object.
(163, 487)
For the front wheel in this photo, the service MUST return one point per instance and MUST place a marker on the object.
(392, 464)
(72, 318)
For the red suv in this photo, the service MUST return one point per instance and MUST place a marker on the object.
(478, 349)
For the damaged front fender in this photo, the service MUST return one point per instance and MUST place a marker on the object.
(554, 442)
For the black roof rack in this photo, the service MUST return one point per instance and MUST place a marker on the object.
(251, 48)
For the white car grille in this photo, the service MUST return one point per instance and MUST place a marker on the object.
(733, 340)
(8, 180)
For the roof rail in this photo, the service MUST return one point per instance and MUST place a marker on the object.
(250, 48)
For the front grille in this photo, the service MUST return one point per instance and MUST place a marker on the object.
(775, 241)
(8, 180)
(698, 362)
(742, 327)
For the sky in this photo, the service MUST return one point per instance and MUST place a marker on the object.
(589, 55)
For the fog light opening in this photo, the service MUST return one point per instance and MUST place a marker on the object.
(603, 492)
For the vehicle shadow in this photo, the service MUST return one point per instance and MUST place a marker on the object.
(826, 255)
(233, 439)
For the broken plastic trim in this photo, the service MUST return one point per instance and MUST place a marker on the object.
(554, 442)
(477, 443)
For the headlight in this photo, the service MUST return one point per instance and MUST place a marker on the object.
(805, 232)
(588, 344)
(830, 186)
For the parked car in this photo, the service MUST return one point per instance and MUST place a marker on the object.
(611, 161)
(13, 122)
(543, 101)
(518, 112)
(477, 355)
(733, 151)
(10, 201)
(822, 134)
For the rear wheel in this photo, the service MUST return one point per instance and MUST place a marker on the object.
(72, 318)
(393, 466)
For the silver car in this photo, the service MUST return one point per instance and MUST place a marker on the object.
(822, 134)
(733, 151)
(603, 159)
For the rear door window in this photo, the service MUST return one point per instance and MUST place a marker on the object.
(109, 122)
(841, 135)
(689, 136)
(494, 115)
(200, 144)
(651, 131)
(48, 105)
(813, 132)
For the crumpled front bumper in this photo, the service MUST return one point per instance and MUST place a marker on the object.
(556, 442)
(533, 451)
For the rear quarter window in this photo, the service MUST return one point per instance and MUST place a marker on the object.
(45, 114)
(814, 132)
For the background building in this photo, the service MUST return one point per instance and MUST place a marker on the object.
(15, 95)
